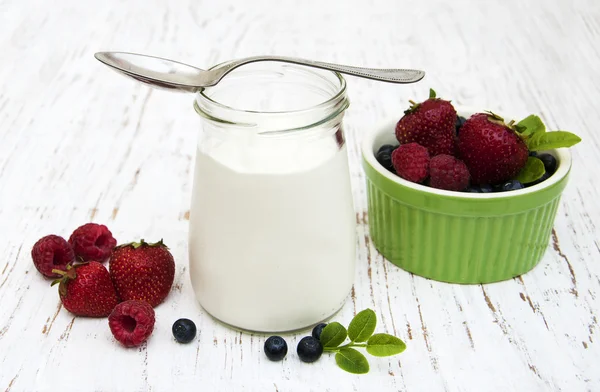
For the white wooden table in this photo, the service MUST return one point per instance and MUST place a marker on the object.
(80, 143)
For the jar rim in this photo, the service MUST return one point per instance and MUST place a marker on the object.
(295, 119)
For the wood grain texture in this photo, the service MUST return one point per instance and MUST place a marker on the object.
(80, 143)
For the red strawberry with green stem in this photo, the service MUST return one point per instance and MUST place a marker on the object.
(492, 150)
(142, 271)
(431, 123)
(495, 152)
(87, 290)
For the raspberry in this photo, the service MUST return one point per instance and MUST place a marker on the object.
(449, 173)
(51, 252)
(131, 322)
(411, 162)
(92, 242)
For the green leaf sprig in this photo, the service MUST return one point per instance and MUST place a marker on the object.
(533, 170)
(361, 334)
(533, 132)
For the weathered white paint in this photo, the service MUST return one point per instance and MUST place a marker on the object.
(80, 143)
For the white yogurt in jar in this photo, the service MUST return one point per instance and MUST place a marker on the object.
(272, 233)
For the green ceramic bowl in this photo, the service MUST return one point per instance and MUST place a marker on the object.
(459, 237)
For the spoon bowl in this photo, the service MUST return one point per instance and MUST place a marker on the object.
(154, 71)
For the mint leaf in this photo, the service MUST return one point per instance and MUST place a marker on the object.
(530, 125)
(352, 361)
(548, 140)
(533, 170)
(384, 345)
(333, 335)
(362, 326)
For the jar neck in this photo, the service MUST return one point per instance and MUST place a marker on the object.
(327, 114)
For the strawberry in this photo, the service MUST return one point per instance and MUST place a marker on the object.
(86, 290)
(432, 124)
(142, 271)
(492, 150)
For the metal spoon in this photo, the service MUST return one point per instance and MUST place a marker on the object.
(169, 74)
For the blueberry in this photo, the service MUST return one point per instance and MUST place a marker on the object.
(384, 156)
(460, 120)
(543, 178)
(385, 160)
(549, 162)
(386, 148)
(473, 189)
(533, 153)
(309, 349)
(184, 330)
(316, 332)
(275, 348)
(511, 185)
(486, 188)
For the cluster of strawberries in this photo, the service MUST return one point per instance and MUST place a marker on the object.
(139, 278)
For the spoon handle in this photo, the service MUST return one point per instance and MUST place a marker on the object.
(385, 75)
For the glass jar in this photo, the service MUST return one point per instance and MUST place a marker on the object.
(272, 224)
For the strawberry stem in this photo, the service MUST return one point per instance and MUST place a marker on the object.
(66, 276)
(143, 243)
(415, 106)
(494, 116)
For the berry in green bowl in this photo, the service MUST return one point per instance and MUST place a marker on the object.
(461, 195)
